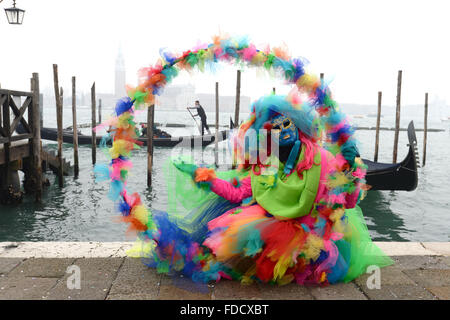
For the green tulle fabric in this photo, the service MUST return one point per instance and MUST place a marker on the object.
(187, 200)
(359, 248)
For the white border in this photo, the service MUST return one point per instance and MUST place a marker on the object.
(118, 249)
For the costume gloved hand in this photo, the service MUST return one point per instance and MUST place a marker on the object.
(204, 174)
(198, 174)
(290, 163)
(183, 166)
(350, 151)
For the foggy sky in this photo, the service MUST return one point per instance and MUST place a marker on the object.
(359, 45)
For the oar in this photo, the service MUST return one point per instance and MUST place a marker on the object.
(198, 127)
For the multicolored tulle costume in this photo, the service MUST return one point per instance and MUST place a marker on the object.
(288, 213)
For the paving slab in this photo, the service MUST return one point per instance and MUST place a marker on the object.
(25, 288)
(136, 278)
(441, 248)
(42, 267)
(5, 246)
(430, 277)
(233, 290)
(399, 292)
(442, 293)
(89, 290)
(390, 275)
(96, 278)
(180, 288)
(99, 269)
(124, 247)
(421, 262)
(404, 248)
(339, 291)
(105, 250)
(8, 264)
(41, 249)
(170, 292)
(290, 291)
(55, 249)
(133, 296)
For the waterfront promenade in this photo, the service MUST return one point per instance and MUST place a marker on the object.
(46, 271)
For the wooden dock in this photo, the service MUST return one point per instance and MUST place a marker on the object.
(20, 151)
(23, 152)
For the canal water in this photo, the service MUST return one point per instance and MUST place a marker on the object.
(81, 210)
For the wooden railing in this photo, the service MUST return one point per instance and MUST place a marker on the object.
(7, 103)
(32, 128)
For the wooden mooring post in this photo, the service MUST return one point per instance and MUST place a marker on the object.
(35, 119)
(150, 122)
(7, 145)
(94, 124)
(60, 139)
(58, 123)
(236, 116)
(397, 115)
(216, 138)
(76, 167)
(425, 129)
(238, 99)
(100, 111)
(377, 134)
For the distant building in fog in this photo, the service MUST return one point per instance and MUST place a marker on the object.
(109, 100)
(120, 76)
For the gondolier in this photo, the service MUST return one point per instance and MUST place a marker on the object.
(201, 113)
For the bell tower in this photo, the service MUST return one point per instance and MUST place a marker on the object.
(119, 87)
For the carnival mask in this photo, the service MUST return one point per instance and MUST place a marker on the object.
(286, 127)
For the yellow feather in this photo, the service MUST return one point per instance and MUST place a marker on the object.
(141, 213)
(312, 247)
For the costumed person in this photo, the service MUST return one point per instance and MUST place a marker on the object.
(289, 213)
(292, 219)
(201, 113)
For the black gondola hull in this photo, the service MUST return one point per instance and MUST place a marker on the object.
(400, 176)
(185, 141)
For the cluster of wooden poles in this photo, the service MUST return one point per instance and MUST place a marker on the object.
(94, 123)
(59, 121)
(397, 123)
(377, 135)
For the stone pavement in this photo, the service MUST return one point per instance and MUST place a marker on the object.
(45, 271)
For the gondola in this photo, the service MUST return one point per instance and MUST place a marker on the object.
(396, 176)
(184, 141)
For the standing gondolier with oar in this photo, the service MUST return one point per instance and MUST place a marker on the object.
(201, 113)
